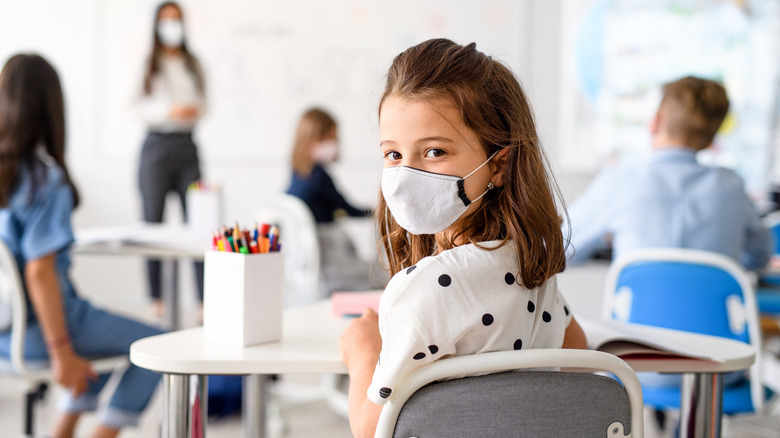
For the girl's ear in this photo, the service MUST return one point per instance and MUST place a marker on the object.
(499, 167)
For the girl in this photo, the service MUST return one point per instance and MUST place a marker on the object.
(37, 197)
(316, 146)
(173, 101)
(468, 221)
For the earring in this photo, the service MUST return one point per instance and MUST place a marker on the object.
(490, 185)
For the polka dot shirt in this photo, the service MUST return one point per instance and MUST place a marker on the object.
(465, 300)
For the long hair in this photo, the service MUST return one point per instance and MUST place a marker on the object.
(494, 106)
(312, 127)
(153, 64)
(32, 113)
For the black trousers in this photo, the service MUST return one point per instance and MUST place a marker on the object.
(169, 163)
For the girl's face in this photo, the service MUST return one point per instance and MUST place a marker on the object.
(435, 139)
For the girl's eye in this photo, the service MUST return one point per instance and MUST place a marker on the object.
(392, 155)
(434, 153)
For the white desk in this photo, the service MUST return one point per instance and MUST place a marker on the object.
(310, 345)
(167, 242)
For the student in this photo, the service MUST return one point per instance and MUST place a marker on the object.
(173, 102)
(37, 197)
(671, 200)
(316, 146)
(469, 223)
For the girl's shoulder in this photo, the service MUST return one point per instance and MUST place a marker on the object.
(462, 266)
(42, 175)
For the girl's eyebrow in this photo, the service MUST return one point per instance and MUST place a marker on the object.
(434, 138)
(419, 141)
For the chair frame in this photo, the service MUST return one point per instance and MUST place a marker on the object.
(499, 361)
(706, 258)
(38, 374)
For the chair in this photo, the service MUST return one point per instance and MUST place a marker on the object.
(300, 246)
(534, 403)
(689, 290)
(768, 293)
(36, 374)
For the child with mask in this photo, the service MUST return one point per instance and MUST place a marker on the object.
(173, 101)
(469, 223)
(316, 146)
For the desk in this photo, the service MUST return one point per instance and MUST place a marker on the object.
(167, 242)
(310, 345)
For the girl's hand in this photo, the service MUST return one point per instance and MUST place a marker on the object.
(360, 343)
(73, 372)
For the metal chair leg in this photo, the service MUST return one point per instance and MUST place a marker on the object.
(31, 397)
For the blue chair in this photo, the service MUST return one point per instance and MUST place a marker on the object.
(689, 290)
(768, 293)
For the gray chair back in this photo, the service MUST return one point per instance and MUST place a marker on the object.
(518, 404)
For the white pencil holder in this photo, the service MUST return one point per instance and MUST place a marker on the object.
(243, 297)
(204, 210)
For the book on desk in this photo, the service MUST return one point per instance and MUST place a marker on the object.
(635, 341)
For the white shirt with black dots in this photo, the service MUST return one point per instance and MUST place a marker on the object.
(465, 300)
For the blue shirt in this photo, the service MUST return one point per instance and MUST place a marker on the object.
(319, 193)
(670, 201)
(36, 224)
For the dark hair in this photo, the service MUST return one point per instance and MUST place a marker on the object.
(493, 105)
(153, 64)
(312, 127)
(32, 113)
(694, 109)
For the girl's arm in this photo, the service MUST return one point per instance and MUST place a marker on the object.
(360, 346)
(574, 337)
(70, 370)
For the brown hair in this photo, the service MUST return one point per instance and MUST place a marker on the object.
(693, 110)
(153, 65)
(32, 113)
(312, 127)
(494, 106)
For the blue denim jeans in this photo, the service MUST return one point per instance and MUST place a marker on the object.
(97, 333)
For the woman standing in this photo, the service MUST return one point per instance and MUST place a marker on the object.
(173, 101)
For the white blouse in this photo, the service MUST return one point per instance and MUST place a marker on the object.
(465, 300)
(173, 85)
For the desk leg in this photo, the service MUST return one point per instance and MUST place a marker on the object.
(701, 405)
(255, 405)
(185, 406)
(170, 292)
(176, 401)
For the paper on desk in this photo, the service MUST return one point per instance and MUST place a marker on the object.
(634, 340)
(143, 234)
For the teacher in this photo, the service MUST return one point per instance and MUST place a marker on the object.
(173, 101)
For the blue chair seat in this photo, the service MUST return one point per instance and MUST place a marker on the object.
(736, 398)
(768, 301)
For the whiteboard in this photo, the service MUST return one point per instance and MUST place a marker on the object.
(266, 62)
(618, 53)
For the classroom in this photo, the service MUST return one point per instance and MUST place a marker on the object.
(197, 225)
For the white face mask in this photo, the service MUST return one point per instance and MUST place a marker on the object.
(171, 32)
(325, 152)
(426, 202)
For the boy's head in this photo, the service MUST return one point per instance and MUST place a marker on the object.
(691, 112)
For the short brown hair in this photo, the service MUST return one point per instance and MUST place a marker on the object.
(693, 110)
(313, 126)
(492, 104)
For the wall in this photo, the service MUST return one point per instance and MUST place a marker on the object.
(87, 42)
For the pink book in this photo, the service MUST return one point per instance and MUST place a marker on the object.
(354, 303)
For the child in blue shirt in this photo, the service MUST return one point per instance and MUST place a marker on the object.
(37, 198)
